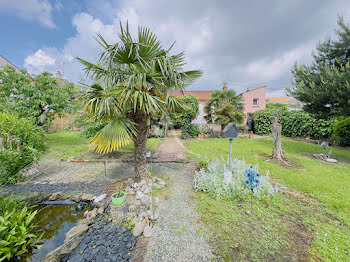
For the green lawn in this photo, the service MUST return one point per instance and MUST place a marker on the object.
(64, 144)
(318, 205)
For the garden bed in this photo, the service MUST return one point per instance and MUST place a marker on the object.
(309, 221)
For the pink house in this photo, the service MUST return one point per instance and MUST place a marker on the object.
(254, 99)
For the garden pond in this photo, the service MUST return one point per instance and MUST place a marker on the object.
(54, 220)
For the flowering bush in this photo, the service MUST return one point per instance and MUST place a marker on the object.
(212, 179)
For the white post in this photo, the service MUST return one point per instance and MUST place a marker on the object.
(230, 155)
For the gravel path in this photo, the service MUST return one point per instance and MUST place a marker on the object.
(51, 176)
(95, 188)
(175, 236)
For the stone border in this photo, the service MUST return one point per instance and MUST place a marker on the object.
(154, 160)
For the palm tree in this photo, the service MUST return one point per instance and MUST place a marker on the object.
(224, 107)
(133, 80)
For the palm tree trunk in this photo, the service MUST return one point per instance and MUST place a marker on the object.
(140, 140)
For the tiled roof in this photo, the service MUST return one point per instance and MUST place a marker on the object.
(4, 61)
(280, 99)
(250, 90)
(201, 95)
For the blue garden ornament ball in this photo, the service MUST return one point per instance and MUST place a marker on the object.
(252, 178)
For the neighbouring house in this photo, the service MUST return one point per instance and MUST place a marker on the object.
(254, 100)
(203, 97)
(282, 100)
(5, 62)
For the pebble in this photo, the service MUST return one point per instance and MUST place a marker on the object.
(139, 195)
(148, 231)
(105, 241)
(138, 229)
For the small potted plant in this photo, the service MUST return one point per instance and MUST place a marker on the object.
(119, 197)
(203, 130)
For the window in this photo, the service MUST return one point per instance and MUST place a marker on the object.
(255, 101)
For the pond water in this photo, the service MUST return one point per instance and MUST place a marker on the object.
(55, 221)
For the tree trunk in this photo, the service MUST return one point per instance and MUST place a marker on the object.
(276, 129)
(165, 129)
(140, 140)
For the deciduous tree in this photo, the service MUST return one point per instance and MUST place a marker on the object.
(39, 97)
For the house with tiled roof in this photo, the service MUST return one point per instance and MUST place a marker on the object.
(203, 97)
(5, 62)
(282, 100)
(254, 100)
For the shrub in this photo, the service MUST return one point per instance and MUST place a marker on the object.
(243, 128)
(205, 130)
(16, 229)
(156, 131)
(210, 179)
(294, 123)
(181, 117)
(341, 133)
(189, 131)
(88, 128)
(32, 142)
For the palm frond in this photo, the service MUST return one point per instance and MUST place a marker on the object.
(174, 104)
(116, 134)
(102, 105)
(138, 100)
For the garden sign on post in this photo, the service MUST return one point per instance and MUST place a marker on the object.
(231, 132)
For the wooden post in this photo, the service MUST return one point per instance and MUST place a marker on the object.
(9, 141)
(18, 144)
(106, 182)
(276, 129)
(1, 143)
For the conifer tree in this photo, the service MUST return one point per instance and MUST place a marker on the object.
(324, 86)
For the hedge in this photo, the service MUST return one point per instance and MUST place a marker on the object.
(294, 124)
(342, 131)
(32, 142)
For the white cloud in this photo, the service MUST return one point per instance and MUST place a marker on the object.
(231, 42)
(40, 10)
(39, 61)
(82, 45)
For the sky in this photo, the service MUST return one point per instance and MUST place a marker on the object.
(241, 43)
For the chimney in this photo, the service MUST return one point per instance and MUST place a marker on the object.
(225, 87)
(248, 89)
(59, 75)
